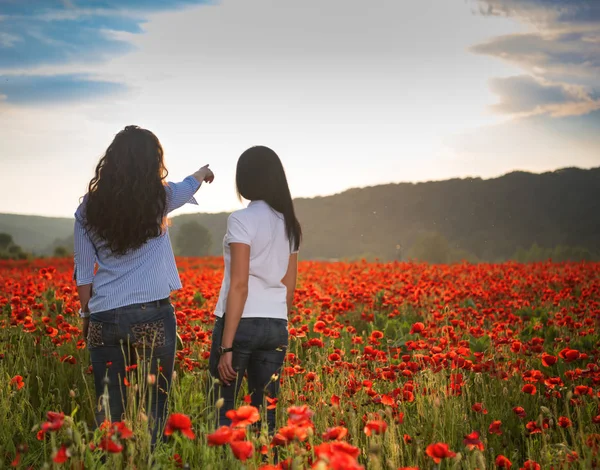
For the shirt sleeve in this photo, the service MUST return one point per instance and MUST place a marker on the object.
(84, 254)
(179, 194)
(238, 230)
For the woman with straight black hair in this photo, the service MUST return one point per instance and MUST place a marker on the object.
(260, 250)
(128, 319)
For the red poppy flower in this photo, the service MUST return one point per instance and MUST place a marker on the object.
(472, 441)
(529, 389)
(503, 462)
(179, 422)
(377, 334)
(548, 360)
(531, 465)
(564, 422)
(244, 416)
(439, 451)
(242, 450)
(17, 381)
(417, 328)
(342, 461)
(328, 449)
(271, 403)
(220, 437)
(334, 357)
(54, 423)
(299, 416)
(121, 430)
(478, 408)
(238, 434)
(110, 444)
(387, 400)
(583, 390)
(335, 434)
(519, 411)
(287, 434)
(62, 455)
(569, 355)
(495, 427)
(375, 426)
(533, 427)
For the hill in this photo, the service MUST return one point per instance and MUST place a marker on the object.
(490, 218)
(35, 233)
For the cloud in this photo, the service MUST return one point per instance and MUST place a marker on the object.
(561, 52)
(533, 143)
(525, 95)
(39, 33)
(569, 56)
(36, 34)
(28, 89)
(564, 43)
(550, 13)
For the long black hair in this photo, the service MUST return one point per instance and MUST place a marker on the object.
(260, 177)
(126, 197)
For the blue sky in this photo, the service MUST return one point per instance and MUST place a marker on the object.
(348, 93)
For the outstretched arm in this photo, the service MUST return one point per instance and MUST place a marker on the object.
(181, 193)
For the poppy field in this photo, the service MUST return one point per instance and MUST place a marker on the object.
(389, 366)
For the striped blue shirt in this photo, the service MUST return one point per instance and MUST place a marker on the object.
(142, 275)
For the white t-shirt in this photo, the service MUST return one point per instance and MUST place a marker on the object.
(263, 229)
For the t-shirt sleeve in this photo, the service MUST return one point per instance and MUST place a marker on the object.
(239, 230)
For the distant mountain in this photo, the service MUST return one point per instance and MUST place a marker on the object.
(489, 218)
(35, 233)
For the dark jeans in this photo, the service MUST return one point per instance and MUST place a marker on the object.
(144, 335)
(259, 349)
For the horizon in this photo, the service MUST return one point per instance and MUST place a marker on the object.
(467, 177)
(350, 95)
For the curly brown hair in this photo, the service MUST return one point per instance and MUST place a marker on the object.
(126, 200)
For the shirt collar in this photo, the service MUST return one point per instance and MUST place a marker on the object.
(257, 202)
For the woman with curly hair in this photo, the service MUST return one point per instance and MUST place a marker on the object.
(121, 226)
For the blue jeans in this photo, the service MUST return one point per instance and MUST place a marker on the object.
(259, 349)
(143, 335)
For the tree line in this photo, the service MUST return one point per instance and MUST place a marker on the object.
(9, 249)
(519, 216)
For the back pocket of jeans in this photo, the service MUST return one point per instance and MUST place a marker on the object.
(94, 336)
(149, 334)
(282, 335)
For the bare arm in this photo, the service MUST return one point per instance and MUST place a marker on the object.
(289, 280)
(236, 300)
(238, 291)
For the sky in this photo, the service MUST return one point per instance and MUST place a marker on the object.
(349, 93)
